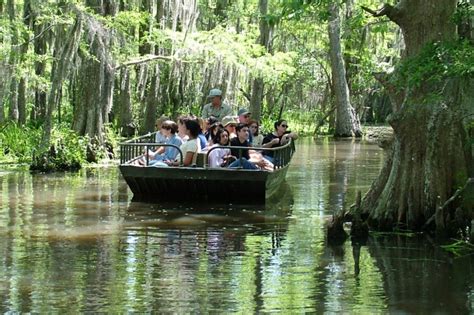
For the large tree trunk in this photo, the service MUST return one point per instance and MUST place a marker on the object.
(95, 78)
(430, 156)
(347, 122)
(151, 101)
(40, 47)
(13, 60)
(27, 19)
(65, 51)
(124, 105)
(256, 99)
(88, 112)
(4, 73)
(148, 73)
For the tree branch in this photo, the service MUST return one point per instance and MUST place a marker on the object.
(148, 59)
(440, 211)
(35, 37)
(245, 93)
(395, 94)
(393, 13)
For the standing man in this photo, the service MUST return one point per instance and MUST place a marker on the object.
(216, 107)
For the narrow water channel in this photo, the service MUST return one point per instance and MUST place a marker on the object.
(76, 243)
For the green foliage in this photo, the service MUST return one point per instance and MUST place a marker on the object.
(395, 232)
(459, 248)
(298, 9)
(17, 142)
(436, 62)
(464, 11)
(302, 122)
(70, 147)
(217, 46)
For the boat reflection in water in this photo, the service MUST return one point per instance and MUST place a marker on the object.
(189, 215)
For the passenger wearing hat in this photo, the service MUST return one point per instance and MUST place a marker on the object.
(244, 118)
(216, 107)
(229, 123)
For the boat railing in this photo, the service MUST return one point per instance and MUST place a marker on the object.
(131, 152)
(281, 155)
(137, 148)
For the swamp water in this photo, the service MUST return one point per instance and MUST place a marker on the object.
(75, 242)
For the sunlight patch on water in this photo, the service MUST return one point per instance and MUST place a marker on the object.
(83, 233)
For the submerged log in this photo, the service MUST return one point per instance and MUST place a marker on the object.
(359, 228)
(336, 235)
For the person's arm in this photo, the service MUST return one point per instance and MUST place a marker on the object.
(293, 135)
(160, 150)
(213, 158)
(286, 137)
(271, 143)
(188, 153)
(188, 158)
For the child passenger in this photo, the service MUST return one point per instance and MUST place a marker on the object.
(166, 153)
(159, 137)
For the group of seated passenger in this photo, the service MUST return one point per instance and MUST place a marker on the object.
(196, 135)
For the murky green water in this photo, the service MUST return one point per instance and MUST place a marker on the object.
(75, 243)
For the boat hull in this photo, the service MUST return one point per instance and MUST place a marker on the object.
(233, 186)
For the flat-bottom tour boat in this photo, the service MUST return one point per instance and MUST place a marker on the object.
(200, 182)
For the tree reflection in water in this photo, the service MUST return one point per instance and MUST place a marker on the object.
(75, 243)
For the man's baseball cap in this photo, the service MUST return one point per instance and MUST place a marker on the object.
(243, 111)
(215, 92)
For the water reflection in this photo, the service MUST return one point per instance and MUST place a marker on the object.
(328, 173)
(76, 243)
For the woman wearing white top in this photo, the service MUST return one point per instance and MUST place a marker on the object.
(257, 137)
(182, 128)
(190, 148)
(219, 157)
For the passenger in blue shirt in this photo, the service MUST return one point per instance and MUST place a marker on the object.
(201, 136)
(159, 137)
(167, 153)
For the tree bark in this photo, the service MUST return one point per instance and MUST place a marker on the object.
(144, 28)
(256, 99)
(4, 73)
(429, 157)
(13, 60)
(152, 100)
(95, 78)
(40, 48)
(124, 103)
(347, 122)
(65, 50)
(151, 73)
(27, 19)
